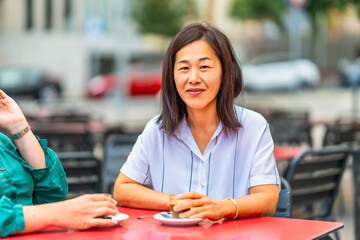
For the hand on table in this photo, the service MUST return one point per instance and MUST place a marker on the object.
(85, 211)
(201, 206)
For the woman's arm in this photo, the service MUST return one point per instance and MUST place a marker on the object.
(129, 193)
(261, 201)
(13, 120)
(79, 213)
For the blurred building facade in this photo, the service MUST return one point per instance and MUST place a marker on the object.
(75, 39)
(82, 38)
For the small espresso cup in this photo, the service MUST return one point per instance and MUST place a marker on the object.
(173, 203)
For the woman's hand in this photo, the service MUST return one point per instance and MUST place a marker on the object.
(201, 206)
(85, 211)
(78, 213)
(11, 117)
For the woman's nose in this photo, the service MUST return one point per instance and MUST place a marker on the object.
(194, 77)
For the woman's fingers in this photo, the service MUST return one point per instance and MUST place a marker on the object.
(102, 211)
(190, 204)
(188, 195)
(101, 197)
(2, 94)
(95, 222)
(100, 204)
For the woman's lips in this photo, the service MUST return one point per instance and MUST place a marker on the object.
(195, 91)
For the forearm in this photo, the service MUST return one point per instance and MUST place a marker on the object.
(28, 145)
(259, 204)
(261, 201)
(37, 218)
(138, 196)
(31, 151)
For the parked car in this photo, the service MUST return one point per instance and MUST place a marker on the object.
(278, 72)
(349, 72)
(16, 81)
(142, 78)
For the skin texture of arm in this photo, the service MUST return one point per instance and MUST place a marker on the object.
(79, 213)
(13, 120)
(129, 193)
(261, 201)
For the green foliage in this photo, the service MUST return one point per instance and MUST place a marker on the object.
(163, 17)
(322, 6)
(258, 9)
(314, 7)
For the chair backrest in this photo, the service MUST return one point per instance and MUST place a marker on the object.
(83, 172)
(65, 134)
(116, 150)
(289, 127)
(343, 131)
(315, 176)
(283, 207)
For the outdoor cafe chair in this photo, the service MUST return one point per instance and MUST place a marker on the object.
(342, 131)
(283, 207)
(65, 133)
(314, 177)
(116, 150)
(290, 127)
(83, 172)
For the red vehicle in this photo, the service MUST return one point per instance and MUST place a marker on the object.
(138, 79)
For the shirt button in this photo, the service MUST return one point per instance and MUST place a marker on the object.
(2, 169)
(11, 182)
(202, 185)
(14, 196)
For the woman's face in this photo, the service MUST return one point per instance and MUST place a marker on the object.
(197, 75)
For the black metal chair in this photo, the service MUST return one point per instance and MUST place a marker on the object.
(83, 172)
(290, 127)
(65, 133)
(283, 207)
(314, 177)
(342, 131)
(116, 150)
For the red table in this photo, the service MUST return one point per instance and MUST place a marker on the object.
(148, 228)
(286, 152)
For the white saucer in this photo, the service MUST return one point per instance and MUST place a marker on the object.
(119, 217)
(176, 222)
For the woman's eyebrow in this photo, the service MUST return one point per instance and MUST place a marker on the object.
(200, 60)
(204, 58)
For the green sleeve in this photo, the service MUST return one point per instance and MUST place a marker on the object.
(11, 217)
(50, 184)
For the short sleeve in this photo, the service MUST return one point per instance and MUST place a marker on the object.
(11, 217)
(264, 170)
(137, 165)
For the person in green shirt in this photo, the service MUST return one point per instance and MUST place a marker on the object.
(33, 183)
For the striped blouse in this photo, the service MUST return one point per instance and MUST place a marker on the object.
(229, 166)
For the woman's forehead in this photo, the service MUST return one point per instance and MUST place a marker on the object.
(198, 50)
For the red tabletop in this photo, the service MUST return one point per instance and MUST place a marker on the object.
(148, 228)
(286, 152)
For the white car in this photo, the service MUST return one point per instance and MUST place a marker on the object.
(265, 74)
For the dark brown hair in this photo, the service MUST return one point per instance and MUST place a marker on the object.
(173, 107)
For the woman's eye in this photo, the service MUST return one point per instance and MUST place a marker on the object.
(183, 68)
(204, 67)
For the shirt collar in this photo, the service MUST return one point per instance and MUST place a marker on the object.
(185, 135)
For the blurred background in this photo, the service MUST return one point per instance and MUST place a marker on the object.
(86, 70)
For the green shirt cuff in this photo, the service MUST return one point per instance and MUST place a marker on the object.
(19, 218)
